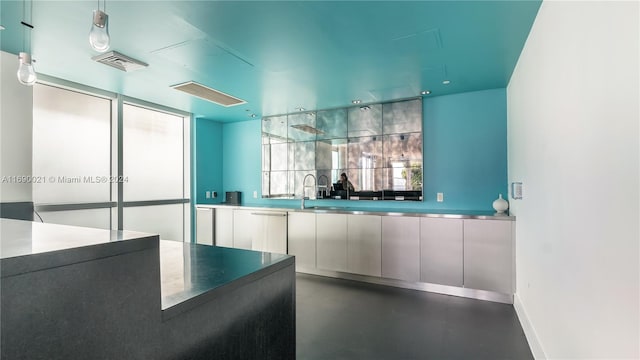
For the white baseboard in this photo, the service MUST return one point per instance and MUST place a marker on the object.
(529, 331)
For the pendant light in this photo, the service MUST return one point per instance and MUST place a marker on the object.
(26, 73)
(99, 34)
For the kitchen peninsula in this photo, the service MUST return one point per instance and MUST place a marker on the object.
(71, 292)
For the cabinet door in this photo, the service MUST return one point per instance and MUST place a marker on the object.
(488, 255)
(274, 236)
(302, 239)
(401, 248)
(223, 227)
(441, 255)
(245, 228)
(331, 241)
(364, 245)
(204, 226)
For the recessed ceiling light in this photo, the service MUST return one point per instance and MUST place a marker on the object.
(365, 108)
(300, 109)
(446, 82)
(356, 101)
(253, 115)
(425, 92)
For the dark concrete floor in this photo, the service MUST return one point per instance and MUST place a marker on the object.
(343, 319)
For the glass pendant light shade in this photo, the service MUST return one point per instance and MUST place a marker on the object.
(99, 34)
(26, 73)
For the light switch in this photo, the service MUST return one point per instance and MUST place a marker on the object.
(440, 197)
(516, 190)
(207, 194)
(255, 194)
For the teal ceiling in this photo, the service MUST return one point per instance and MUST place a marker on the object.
(280, 55)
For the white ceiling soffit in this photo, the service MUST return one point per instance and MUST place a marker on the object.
(209, 94)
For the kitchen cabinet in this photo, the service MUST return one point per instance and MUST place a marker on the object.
(302, 239)
(488, 255)
(204, 226)
(401, 248)
(364, 245)
(223, 227)
(331, 242)
(260, 230)
(441, 251)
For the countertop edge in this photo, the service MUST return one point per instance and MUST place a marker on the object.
(361, 212)
(35, 262)
(193, 302)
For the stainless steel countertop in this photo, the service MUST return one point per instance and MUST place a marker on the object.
(27, 246)
(189, 272)
(448, 214)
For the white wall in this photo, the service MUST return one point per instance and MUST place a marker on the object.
(16, 124)
(573, 130)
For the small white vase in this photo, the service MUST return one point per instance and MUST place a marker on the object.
(500, 205)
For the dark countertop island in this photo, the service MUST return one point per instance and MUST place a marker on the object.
(71, 292)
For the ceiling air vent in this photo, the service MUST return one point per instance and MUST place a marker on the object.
(207, 93)
(120, 61)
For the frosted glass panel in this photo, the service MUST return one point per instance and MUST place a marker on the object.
(152, 154)
(71, 146)
(166, 220)
(94, 218)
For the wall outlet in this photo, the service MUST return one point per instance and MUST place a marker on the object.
(214, 194)
(440, 197)
(255, 194)
(207, 194)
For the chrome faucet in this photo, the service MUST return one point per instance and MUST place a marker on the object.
(326, 184)
(315, 182)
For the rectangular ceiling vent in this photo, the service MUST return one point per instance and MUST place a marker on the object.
(207, 93)
(120, 61)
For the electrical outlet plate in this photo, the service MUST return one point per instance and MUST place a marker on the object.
(207, 194)
(440, 197)
(255, 194)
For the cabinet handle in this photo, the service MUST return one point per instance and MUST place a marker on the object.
(269, 214)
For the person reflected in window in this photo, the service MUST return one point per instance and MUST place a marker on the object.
(346, 184)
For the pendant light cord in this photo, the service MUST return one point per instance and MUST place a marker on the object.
(26, 40)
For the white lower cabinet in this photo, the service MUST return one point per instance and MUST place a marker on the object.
(331, 242)
(488, 255)
(302, 239)
(223, 227)
(401, 248)
(260, 230)
(204, 226)
(364, 245)
(441, 251)
(469, 253)
(245, 229)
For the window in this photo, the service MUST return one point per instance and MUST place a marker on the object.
(76, 150)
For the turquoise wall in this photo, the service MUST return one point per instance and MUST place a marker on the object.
(465, 155)
(208, 160)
